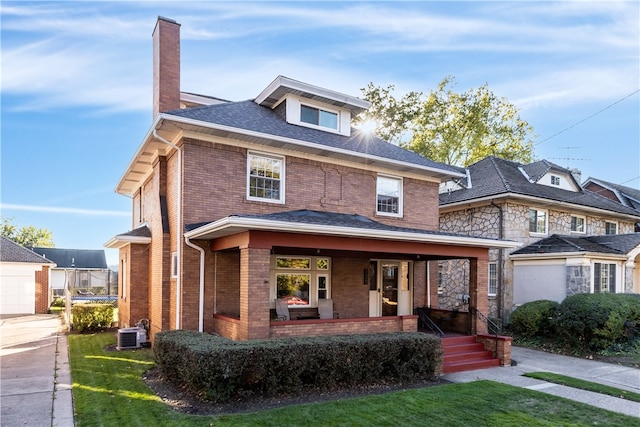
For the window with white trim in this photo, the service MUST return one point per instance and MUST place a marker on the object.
(555, 180)
(174, 264)
(265, 178)
(318, 117)
(440, 279)
(604, 277)
(493, 279)
(301, 280)
(610, 227)
(123, 277)
(577, 224)
(537, 221)
(389, 196)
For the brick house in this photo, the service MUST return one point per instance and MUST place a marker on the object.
(239, 205)
(543, 206)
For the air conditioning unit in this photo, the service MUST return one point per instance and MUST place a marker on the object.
(129, 338)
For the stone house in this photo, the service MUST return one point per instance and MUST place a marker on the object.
(529, 203)
(238, 206)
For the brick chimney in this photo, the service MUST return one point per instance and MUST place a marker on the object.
(166, 66)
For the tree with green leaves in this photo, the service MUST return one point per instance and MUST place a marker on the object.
(449, 127)
(27, 236)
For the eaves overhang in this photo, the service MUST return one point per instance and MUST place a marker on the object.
(234, 225)
(140, 166)
(120, 241)
(567, 255)
(537, 201)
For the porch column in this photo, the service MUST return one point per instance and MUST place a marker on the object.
(478, 292)
(254, 293)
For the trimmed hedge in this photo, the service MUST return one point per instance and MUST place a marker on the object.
(220, 369)
(534, 318)
(596, 321)
(91, 317)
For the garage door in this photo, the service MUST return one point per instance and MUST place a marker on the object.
(18, 295)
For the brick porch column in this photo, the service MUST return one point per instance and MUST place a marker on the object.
(254, 293)
(478, 292)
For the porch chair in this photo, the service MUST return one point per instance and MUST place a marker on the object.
(282, 309)
(325, 309)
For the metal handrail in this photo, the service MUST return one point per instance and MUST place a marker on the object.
(424, 319)
(490, 325)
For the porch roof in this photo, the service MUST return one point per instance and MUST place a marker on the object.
(332, 224)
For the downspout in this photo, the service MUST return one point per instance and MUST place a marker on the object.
(201, 298)
(500, 255)
(179, 228)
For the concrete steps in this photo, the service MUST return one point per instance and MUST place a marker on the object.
(464, 353)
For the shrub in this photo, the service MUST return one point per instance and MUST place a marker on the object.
(58, 302)
(533, 318)
(221, 369)
(91, 317)
(596, 321)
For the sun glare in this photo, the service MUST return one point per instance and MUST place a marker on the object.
(368, 126)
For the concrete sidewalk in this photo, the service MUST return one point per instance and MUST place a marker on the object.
(528, 360)
(35, 386)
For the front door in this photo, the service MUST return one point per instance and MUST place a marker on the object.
(390, 289)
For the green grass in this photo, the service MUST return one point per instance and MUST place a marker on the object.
(108, 390)
(584, 385)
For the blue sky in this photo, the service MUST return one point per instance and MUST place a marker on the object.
(77, 81)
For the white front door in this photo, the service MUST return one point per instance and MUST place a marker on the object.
(390, 288)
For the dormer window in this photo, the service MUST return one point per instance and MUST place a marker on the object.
(555, 180)
(318, 117)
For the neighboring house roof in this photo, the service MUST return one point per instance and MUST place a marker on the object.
(494, 177)
(85, 259)
(10, 251)
(617, 244)
(628, 196)
(331, 223)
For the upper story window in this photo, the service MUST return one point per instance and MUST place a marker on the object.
(555, 180)
(610, 227)
(389, 196)
(318, 117)
(537, 221)
(577, 224)
(265, 178)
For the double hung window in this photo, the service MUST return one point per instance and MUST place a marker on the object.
(610, 228)
(604, 278)
(389, 196)
(493, 279)
(577, 224)
(537, 221)
(265, 178)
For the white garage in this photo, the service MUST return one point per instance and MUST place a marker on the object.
(18, 285)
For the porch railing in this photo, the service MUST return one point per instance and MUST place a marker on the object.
(492, 327)
(425, 321)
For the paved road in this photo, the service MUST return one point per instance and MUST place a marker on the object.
(35, 386)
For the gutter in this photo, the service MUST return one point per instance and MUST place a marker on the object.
(179, 217)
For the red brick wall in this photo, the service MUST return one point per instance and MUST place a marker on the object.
(42, 291)
(350, 295)
(166, 67)
(343, 326)
(227, 283)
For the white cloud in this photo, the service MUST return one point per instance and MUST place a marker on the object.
(59, 210)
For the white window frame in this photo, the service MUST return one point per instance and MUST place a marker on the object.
(314, 272)
(320, 111)
(440, 279)
(607, 224)
(174, 264)
(400, 195)
(555, 180)
(254, 154)
(493, 277)
(584, 224)
(546, 221)
(616, 276)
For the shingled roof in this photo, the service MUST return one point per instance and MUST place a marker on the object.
(628, 196)
(85, 259)
(493, 177)
(10, 251)
(617, 244)
(249, 116)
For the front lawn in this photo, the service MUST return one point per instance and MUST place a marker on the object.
(108, 390)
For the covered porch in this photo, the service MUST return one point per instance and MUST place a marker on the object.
(375, 275)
